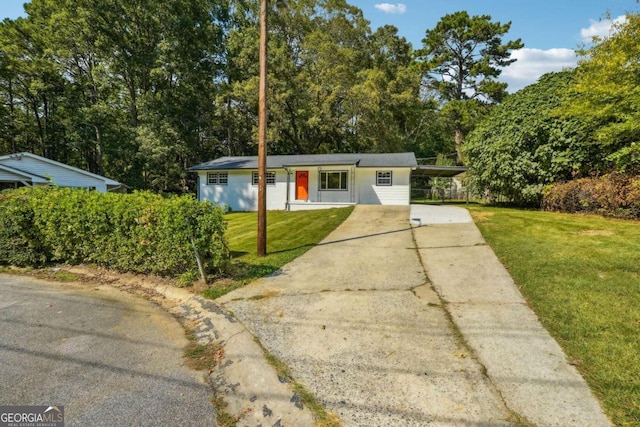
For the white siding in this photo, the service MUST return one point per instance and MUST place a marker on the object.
(240, 194)
(371, 194)
(59, 175)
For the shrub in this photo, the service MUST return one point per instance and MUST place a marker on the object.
(615, 195)
(20, 242)
(140, 232)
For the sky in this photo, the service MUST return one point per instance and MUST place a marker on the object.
(551, 30)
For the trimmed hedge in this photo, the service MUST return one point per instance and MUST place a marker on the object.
(615, 195)
(139, 232)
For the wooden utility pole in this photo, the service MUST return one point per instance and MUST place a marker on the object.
(262, 135)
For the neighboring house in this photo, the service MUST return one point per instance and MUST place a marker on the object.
(308, 181)
(26, 169)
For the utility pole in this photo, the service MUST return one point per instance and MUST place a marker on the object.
(262, 135)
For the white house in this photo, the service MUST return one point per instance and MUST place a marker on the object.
(308, 181)
(27, 169)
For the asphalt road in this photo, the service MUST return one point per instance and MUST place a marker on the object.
(111, 359)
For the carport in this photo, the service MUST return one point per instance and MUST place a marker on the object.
(436, 182)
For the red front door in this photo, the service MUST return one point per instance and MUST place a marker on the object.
(302, 185)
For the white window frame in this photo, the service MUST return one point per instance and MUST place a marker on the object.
(270, 177)
(384, 178)
(324, 181)
(217, 178)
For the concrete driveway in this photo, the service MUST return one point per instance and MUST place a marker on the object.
(110, 358)
(359, 322)
(346, 319)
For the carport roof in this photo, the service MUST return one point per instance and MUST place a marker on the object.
(358, 159)
(439, 171)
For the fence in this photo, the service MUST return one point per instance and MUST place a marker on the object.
(440, 194)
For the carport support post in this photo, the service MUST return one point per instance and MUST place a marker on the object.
(262, 135)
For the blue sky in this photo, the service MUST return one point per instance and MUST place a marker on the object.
(550, 29)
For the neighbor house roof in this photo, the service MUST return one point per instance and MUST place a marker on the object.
(22, 175)
(8, 157)
(365, 160)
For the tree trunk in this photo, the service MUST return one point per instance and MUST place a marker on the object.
(99, 160)
(12, 119)
(41, 133)
(459, 139)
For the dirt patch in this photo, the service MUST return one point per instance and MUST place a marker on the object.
(267, 294)
(203, 357)
(137, 284)
(596, 233)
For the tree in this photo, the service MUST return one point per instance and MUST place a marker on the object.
(607, 94)
(461, 58)
(139, 84)
(139, 90)
(524, 145)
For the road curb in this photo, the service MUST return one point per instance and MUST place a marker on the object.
(252, 392)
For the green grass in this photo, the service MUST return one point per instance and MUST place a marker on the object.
(581, 275)
(289, 235)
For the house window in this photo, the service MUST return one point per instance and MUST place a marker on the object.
(384, 178)
(333, 180)
(220, 178)
(270, 175)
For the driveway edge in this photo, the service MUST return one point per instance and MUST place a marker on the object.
(522, 360)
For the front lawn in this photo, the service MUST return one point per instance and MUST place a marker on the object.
(289, 235)
(581, 275)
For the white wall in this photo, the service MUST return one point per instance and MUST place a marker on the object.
(240, 194)
(59, 175)
(397, 194)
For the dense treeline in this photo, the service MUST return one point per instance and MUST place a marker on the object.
(580, 124)
(139, 90)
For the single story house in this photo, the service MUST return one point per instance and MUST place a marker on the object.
(27, 169)
(298, 182)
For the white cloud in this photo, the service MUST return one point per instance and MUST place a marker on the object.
(600, 28)
(533, 63)
(399, 8)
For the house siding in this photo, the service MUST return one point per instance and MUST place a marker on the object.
(59, 175)
(371, 194)
(239, 194)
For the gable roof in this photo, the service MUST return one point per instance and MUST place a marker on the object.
(18, 156)
(362, 160)
(23, 175)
